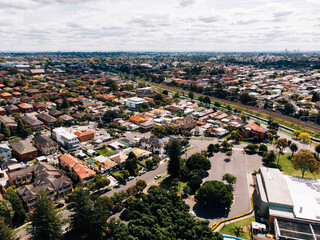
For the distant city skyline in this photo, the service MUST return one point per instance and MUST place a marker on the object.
(166, 25)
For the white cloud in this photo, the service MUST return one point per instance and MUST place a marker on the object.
(113, 25)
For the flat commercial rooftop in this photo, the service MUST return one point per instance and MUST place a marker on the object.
(276, 187)
(290, 229)
(305, 194)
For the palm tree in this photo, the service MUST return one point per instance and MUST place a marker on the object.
(237, 230)
(293, 147)
(317, 148)
(281, 144)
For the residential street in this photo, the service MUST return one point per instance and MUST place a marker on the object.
(241, 165)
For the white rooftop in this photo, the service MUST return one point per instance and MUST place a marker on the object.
(276, 187)
(305, 194)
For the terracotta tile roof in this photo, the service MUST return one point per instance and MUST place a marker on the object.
(255, 127)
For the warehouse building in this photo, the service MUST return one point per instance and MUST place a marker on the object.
(289, 203)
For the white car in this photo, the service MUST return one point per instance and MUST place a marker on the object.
(158, 176)
(130, 178)
(192, 213)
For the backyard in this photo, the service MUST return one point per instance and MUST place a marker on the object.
(105, 152)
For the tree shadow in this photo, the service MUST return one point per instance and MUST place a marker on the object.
(206, 213)
(227, 160)
(166, 183)
(124, 215)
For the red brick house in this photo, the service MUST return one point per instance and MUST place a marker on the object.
(24, 150)
(85, 136)
(254, 130)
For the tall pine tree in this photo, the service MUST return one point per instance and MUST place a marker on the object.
(45, 220)
(174, 153)
(5, 130)
(82, 207)
(6, 233)
(17, 206)
(65, 103)
(21, 129)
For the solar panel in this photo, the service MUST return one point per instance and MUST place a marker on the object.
(297, 235)
(317, 186)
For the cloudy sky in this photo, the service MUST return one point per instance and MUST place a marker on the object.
(159, 25)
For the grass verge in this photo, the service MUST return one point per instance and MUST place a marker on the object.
(288, 169)
(245, 224)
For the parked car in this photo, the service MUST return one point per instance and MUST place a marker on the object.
(117, 185)
(130, 178)
(157, 177)
(142, 172)
(154, 167)
(192, 213)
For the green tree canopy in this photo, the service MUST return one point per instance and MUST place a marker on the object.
(6, 211)
(17, 206)
(305, 162)
(45, 220)
(214, 194)
(198, 161)
(6, 233)
(174, 153)
(5, 130)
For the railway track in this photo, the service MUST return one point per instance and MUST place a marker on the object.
(293, 120)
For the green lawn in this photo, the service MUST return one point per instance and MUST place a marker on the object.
(246, 223)
(105, 152)
(166, 183)
(117, 174)
(287, 168)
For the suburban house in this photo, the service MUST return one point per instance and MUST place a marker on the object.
(34, 123)
(66, 139)
(11, 109)
(5, 151)
(45, 144)
(24, 150)
(136, 120)
(2, 111)
(10, 123)
(67, 119)
(108, 165)
(153, 145)
(55, 113)
(119, 158)
(47, 119)
(72, 164)
(198, 131)
(147, 126)
(134, 103)
(85, 136)
(254, 130)
(25, 107)
(6, 95)
(44, 177)
(39, 106)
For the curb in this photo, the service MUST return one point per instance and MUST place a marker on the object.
(232, 218)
